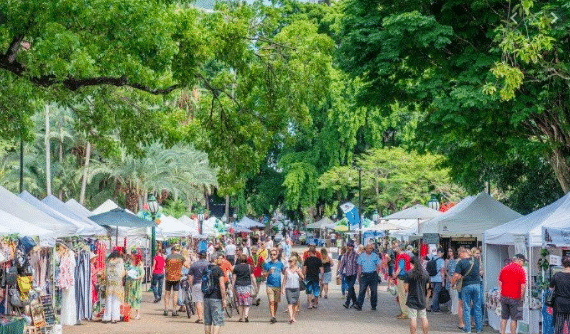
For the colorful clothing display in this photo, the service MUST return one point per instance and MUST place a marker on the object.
(133, 286)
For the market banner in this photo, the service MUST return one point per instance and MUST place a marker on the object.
(351, 213)
(555, 237)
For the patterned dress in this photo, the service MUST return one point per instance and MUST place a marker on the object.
(133, 287)
(114, 278)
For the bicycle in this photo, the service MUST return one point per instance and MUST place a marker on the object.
(231, 303)
(187, 297)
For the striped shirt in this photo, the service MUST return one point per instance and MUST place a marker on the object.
(349, 264)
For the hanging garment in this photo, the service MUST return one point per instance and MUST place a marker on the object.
(83, 296)
(67, 285)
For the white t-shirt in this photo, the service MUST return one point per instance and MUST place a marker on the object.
(231, 250)
(292, 280)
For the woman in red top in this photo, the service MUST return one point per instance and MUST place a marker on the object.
(158, 264)
(257, 272)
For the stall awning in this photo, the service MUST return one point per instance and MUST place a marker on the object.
(470, 217)
(120, 217)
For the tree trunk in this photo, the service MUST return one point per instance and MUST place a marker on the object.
(132, 199)
(48, 154)
(227, 210)
(561, 169)
(85, 172)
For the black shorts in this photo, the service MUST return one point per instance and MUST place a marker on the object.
(511, 309)
(172, 285)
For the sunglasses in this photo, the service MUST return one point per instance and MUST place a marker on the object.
(274, 254)
(291, 261)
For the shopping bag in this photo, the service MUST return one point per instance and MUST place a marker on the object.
(126, 312)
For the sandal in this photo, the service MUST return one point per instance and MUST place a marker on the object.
(240, 320)
(199, 321)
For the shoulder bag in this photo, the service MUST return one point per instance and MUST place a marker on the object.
(459, 283)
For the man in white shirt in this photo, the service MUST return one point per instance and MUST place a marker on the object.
(231, 252)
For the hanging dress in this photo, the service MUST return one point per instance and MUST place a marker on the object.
(67, 286)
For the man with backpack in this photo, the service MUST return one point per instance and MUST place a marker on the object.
(195, 278)
(436, 270)
(402, 266)
(214, 290)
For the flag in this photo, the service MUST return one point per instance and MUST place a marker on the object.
(351, 213)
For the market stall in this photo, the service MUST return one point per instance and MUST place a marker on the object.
(523, 235)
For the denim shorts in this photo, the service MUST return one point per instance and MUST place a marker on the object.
(313, 288)
(213, 312)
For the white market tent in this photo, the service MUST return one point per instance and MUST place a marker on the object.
(27, 212)
(470, 218)
(90, 227)
(523, 235)
(326, 222)
(77, 208)
(190, 222)
(250, 223)
(107, 206)
(406, 222)
(77, 225)
(10, 224)
(172, 227)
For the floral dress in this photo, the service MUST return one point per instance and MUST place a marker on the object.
(114, 278)
(133, 287)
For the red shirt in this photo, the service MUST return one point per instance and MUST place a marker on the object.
(306, 255)
(159, 265)
(512, 277)
(406, 258)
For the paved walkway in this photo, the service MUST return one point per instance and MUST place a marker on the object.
(329, 318)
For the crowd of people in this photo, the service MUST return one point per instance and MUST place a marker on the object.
(238, 268)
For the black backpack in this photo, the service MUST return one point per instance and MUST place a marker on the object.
(208, 282)
(431, 266)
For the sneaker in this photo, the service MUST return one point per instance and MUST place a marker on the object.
(374, 309)
(358, 308)
(174, 313)
(165, 313)
(346, 305)
(273, 320)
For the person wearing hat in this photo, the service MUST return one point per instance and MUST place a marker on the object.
(349, 268)
(512, 282)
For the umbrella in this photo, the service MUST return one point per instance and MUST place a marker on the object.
(240, 229)
(250, 223)
(120, 217)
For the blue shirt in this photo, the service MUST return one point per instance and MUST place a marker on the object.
(402, 266)
(369, 263)
(274, 279)
(202, 246)
(440, 263)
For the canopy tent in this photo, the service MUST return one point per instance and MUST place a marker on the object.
(91, 228)
(240, 229)
(417, 211)
(189, 222)
(120, 217)
(16, 206)
(77, 208)
(107, 206)
(77, 225)
(470, 217)
(555, 215)
(326, 222)
(250, 223)
(172, 227)
(10, 224)
(386, 226)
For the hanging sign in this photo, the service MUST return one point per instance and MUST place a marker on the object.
(430, 239)
(47, 304)
(554, 237)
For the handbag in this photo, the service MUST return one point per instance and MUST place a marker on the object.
(549, 298)
(459, 284)
(444, 296)
(302, 285)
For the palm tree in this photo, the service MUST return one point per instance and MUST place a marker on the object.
(181, 170)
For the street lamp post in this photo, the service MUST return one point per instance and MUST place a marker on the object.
(360, 212)
(200, 223)
(375, 217)
(153, 208)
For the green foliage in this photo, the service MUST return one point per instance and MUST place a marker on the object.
(301, 186)
(392, 178)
